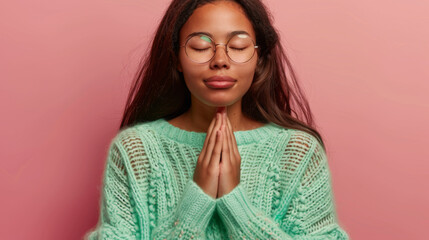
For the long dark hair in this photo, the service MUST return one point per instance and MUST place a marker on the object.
(159, 89)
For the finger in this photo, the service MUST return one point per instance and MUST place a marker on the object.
(229, 140)
(212, 124)
(215, 156)
(209, 132)
(226, 156)
(234, 142)
(212, 139)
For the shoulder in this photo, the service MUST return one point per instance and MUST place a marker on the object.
(303, 139)
(299, 143)
(130, 138)
(299, 150)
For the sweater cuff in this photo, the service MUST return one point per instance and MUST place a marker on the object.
(235, 207)
(195, 208)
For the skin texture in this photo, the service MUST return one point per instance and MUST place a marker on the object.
(218, 167)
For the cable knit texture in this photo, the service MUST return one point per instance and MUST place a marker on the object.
(284, 193)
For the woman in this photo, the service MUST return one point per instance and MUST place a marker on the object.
(208, 147)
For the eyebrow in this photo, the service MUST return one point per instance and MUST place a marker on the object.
(230, 34)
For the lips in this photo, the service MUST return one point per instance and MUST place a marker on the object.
(220, 82)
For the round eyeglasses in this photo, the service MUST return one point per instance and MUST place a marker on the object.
(201, 48)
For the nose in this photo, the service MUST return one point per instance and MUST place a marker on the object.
(220, 58)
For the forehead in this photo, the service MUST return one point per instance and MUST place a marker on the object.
(219, 18)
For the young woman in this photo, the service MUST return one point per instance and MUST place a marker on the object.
(211, 145)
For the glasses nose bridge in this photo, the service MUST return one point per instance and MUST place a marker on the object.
(222, 44)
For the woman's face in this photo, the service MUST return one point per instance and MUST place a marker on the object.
(219, 19)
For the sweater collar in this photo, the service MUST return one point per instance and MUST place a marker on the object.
(163, 127)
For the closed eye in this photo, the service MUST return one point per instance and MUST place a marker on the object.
(200, 50)
(237, 49)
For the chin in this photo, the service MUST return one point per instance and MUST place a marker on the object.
(218, 101)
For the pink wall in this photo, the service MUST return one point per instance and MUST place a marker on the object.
(65, 69)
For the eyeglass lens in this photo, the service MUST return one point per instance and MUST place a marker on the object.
(200, 48)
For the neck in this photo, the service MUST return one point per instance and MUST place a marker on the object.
(199, 116)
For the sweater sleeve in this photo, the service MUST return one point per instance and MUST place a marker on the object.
(191, 217)
(311, 215)
(117, 219)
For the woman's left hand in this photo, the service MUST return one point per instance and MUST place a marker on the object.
(229, 167)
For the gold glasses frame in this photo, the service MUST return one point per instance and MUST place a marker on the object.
(216, 44)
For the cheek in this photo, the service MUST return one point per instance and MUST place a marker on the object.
(190, 71)
(246, 73)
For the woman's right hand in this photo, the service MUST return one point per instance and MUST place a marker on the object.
(206, 174)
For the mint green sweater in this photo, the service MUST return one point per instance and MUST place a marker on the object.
(284, 193)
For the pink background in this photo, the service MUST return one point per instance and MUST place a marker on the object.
(65, 70)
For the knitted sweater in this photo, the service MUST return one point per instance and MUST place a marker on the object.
(148, 189)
